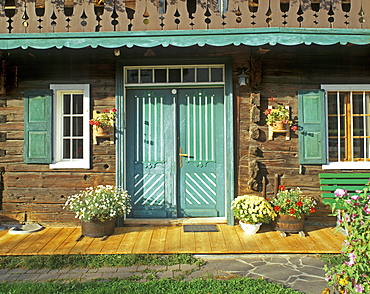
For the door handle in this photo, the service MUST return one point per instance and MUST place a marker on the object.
(181, 155)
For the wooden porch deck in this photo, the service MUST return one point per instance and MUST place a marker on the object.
(170, 239)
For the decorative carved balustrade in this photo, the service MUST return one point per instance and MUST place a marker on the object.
(45, 16)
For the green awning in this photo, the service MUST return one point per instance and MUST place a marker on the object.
(185, 38)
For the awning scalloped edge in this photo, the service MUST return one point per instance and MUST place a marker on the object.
(218, 38)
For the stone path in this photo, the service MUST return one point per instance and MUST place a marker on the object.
(299, 272)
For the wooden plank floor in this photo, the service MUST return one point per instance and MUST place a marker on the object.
(170, 239)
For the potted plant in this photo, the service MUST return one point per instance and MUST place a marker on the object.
(278, 117)
(291, 207)
(105, 120)
(98, 207)
(252, 211)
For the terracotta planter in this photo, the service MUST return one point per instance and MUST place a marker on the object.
(279, 125)
(250, 229)
(289, 224)
(97, 228)
(103, 130)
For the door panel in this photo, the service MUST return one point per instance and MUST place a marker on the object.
(150, 147)
(201, 185)
(161, 125)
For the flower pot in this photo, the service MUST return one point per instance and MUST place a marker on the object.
(250, 228)
(103, 130)
(289, 224)
(98, 228)
(279, 125)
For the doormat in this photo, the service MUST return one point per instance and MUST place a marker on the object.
(200, 228)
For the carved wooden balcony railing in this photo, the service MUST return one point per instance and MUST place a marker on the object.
(45, 16)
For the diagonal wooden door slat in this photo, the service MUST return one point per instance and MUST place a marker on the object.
(171, 239)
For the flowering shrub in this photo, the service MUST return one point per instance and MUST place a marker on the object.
(101, 202)
(105, 119)
(280, 113)
(292, 202)
(252, 209)
(353, 275)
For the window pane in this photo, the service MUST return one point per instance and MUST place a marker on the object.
(146, 75)
(77, 104)
(343, 150)
(343, 99)
(66, 126)
(343, 131)
(66, 149)
(160, 75)
(333, 126)
(132, 76)
(358, 148)
(77, 126)
(202, 75)
(358, 126)
(175, 75)
(357, 106)
(216, 75)
(188, 75)
(333, 149)
(332, 103)
(77, 148)
(66, 104)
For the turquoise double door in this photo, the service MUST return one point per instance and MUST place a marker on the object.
(175, 152)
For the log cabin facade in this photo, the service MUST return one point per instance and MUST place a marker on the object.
(190, 81)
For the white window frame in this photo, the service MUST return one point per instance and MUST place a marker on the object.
(351, 164)
(58, 91)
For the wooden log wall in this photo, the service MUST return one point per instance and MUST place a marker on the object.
(284, 71)
(35, 193)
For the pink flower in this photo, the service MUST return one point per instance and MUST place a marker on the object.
(355, 197)
(358, 191)
(367, 209)
(328, 278)
(359, 288)
(340, 192)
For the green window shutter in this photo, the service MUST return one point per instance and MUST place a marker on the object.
(312, 127)
(37, 126)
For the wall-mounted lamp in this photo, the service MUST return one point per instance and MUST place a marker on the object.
(117, 52)
(243, 78)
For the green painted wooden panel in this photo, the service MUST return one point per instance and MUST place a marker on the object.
(343, 181)
(150, 146)
(158, 123)
(202, 177)
(351, 182)
(344, 175)
(38, 126)
(312, 127)
(333, 188)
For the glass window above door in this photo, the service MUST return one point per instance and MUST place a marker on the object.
(185, 74)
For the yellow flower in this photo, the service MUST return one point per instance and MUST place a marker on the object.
(343, 282)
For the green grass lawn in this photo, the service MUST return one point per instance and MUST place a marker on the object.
(209, 285)
(165, 286)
